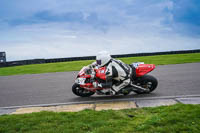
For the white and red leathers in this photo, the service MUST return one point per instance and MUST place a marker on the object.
(118, 72)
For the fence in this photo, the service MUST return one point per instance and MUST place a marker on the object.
(41, 61)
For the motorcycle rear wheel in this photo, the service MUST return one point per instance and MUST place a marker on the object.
(77, 90)
(148, 82)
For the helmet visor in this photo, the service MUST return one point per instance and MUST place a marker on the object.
(98, 62)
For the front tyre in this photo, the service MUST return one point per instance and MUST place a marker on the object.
(149, 82)
(77, 90)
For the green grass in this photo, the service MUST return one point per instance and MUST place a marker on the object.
(77, 65)
(178, 118)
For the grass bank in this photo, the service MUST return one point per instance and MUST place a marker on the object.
(166, 119)
(77, 65)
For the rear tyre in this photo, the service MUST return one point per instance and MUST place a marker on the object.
(149, 82)
(77, 90)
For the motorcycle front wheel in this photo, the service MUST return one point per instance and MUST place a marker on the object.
(77, 90)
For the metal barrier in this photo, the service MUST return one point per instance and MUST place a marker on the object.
(41, 61)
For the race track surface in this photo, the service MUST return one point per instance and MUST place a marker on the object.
(174, 80)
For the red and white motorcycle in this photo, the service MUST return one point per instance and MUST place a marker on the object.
(140, 84)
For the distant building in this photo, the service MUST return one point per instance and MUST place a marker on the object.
(2, 57)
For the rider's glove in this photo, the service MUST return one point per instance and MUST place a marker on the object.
(93, 65)
(96, 85)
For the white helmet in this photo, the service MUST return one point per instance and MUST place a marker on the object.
(103, 58)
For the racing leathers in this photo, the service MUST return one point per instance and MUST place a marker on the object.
(119, 73)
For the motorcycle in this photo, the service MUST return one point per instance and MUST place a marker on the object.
(141, 83)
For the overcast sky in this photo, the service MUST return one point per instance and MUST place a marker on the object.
(32, 29)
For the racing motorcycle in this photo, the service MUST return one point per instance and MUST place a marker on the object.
(141, 83)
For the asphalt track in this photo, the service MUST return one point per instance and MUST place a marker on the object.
(174, 80)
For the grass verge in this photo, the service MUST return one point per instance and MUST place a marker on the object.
(77, 65)
(165, 119)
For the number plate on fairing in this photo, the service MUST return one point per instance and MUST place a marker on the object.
(80, 81)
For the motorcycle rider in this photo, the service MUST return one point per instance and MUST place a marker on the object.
(116, 71)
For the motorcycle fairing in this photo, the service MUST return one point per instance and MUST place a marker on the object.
(101, 73)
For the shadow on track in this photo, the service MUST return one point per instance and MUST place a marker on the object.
(117, 97)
